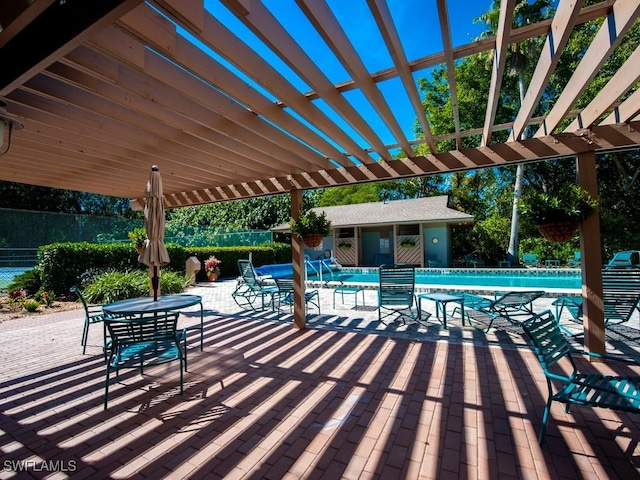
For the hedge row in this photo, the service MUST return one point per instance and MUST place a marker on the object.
(64, 264)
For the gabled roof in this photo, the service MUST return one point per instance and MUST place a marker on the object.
(416, 210)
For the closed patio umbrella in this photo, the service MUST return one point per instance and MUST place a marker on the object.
(155, 253)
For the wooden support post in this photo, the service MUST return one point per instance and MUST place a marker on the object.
(297, 260)
(590, 249)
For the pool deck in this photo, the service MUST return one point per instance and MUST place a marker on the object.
(345, 398)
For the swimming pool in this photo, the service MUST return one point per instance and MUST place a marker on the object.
(565, 279)
(7, 274)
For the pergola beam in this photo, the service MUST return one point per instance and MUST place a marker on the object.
(451, 68)
(497, 72)
(264, 25)
(217, 37)
(625, 112)
(599, 139)
(622, 81)
(561, 28)
(609, 36)
(328, 27)
(380, 11)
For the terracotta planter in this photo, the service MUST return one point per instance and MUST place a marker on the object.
(312, 240)
(558, 232)
(212, 276)
(139, 249)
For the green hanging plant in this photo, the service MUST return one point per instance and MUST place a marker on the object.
(570, 204)
(310, 223)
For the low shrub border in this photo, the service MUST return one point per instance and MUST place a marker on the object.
(64, 264)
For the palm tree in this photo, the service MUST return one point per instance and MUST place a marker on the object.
(524, 13)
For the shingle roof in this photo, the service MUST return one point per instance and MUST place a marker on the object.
(416, 210)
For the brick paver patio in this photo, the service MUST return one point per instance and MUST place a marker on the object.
(341, 399)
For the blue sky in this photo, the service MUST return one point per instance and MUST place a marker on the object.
(416, 21)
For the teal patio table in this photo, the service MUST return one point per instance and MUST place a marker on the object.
(441, 300)
(165, 303)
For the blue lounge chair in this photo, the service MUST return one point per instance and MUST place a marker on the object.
(251, 288)
(626, 259)
(512, 306)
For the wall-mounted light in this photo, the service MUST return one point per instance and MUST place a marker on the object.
(7, 124)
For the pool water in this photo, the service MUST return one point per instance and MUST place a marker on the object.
(540, 278)
(7, 274)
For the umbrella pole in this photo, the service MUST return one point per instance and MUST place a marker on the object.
(154, 283)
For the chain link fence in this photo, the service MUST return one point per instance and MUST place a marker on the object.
(22, 232)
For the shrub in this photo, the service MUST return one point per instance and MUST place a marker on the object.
(30, 281)
(110, 286)
(45, 297)
(63, 265)
(30, 305)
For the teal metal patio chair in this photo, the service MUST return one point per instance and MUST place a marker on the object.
(470, 260)
(576, 261)
(284, 296)
(530, 260)
(575, 388)
(143, 342)
(92, 314)
(396, 296)
(620, 297)
(251, 289)
(433, 262)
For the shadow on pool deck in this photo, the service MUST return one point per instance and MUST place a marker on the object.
(340, 399)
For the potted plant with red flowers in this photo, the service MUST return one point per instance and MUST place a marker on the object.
(212, 267)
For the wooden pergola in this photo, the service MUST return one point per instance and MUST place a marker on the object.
(106, 89)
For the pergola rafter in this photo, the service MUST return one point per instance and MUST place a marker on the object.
(138, 85)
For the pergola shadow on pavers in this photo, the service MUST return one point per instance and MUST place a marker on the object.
(106, 89)
(264, 400)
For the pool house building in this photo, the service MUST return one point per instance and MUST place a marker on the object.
(415, 231)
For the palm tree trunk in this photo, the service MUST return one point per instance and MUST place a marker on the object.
(512, 252)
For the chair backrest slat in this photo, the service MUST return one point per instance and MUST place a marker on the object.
(620, 293)
(247, 272)
(519, 298)
(152, 328)
(77, 291)
(397, 284)
(545, 337)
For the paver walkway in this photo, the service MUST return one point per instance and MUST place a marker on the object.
(342, 399)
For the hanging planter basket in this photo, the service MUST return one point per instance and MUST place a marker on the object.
(558, 232)
(312, 240)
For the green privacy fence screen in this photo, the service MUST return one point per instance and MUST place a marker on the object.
(23, 231)
(28, 229)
